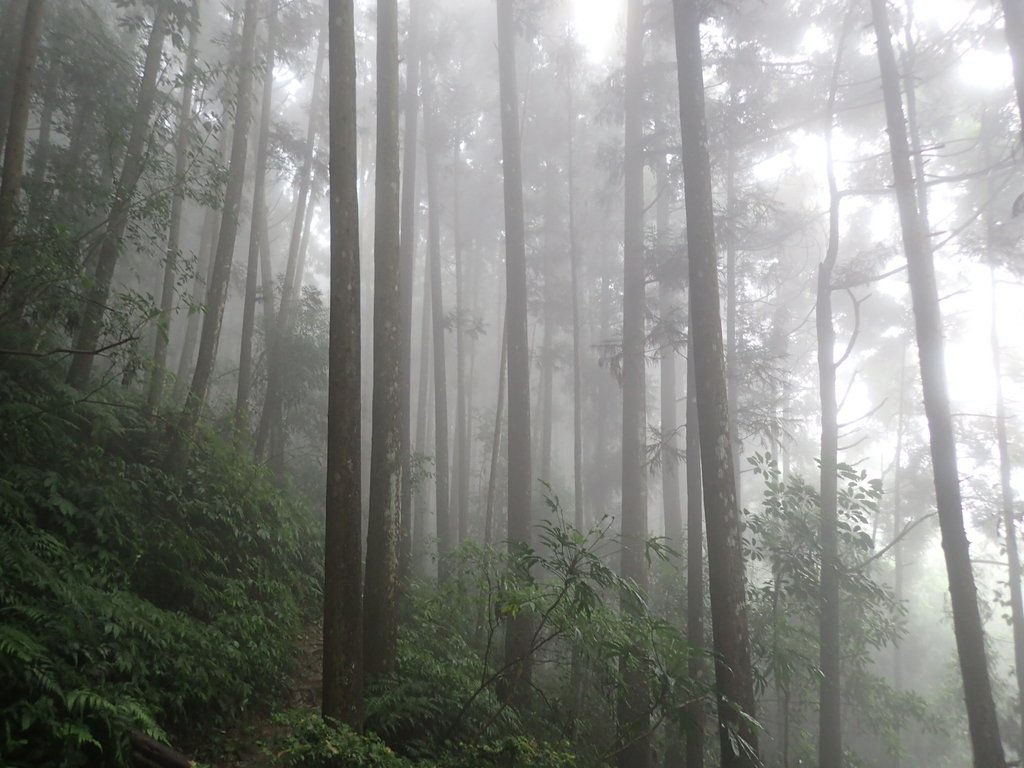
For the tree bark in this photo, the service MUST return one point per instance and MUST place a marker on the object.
(442, 471)
(981, 713)
(733, 674)
(91, 322)
(421, 507)
(460, 491)
(574, 269)
(499, 408)
(158, 374)
(220, 275)
(408, 257)
(41, 199)
(520, 476)
(21, 103)
(1013, 16)
(257, 224)
(694, 560)
(379, 621)
(343, 674)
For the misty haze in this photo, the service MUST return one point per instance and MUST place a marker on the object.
(511, 383)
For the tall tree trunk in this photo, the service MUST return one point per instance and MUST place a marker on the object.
(830, 744)
(967, 626)
(1009, 522)
(694, 560)
(257, 225)
(520, 476)
(343, 673)
(421, 506)
(217, 292)
(197, 296)
(158, 374)
(91, 322)
(460, 494)
(733, 674)
(445, 543)
(408, 255)
(271, 428)
(634, 702)
(732, 363)
(574, 269)
(379, 622)
(11, 27)
(20, 104)
(672, 506)
(41, 198)
(1013, 16)
(492, 477)
(547, 354)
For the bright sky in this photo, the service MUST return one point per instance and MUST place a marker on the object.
(596, 22)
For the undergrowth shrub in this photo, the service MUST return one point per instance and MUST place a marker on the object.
(131, 599)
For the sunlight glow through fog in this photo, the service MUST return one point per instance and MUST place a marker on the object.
(596, 22)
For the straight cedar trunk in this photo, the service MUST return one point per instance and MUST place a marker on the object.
(574, 277)
(442, 471)
(634, 698)
(41, 196)
(91, 321)
(1009, 522)
(1013, 18)
(220, 273)
(830, 742)
(271, 429)
(11, 25)
(732, 365)
(499, 410)
(733, 674)
(460, 489)
(257, 225)
(421, 506)
(547, 354)
(967, 627)
(197, 296)
(343, 636)
(384, 525)
(158, 374)
(411, 103)
(672, 506)
(17, 123)
(897, 526)
(694, 561)
(520, 476)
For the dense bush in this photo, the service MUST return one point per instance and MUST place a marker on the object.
(129, 598)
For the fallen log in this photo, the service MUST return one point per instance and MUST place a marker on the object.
(150, 753)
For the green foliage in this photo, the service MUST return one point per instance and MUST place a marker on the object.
(130, 599)
(312, 742)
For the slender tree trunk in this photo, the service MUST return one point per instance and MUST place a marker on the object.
(420, 504)
(694, 560)
(91, 322)
(981, 712)
(1013, 15)
(732, 364)
(257, 224)
(408, 257)
(21, 103)
(379, 622)
(11, 27)
(272, 422)
(520, 476)
(221, 272)
(41, 199)
(158, 374)
(574, 269)
(343, 673)
(197, 296)
(830, 744)
(547, 354)
(1009, 522)
(460, 495)
(445, 534)
(492, 478)
(733, 674)
(634, 702)
(672, 506)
